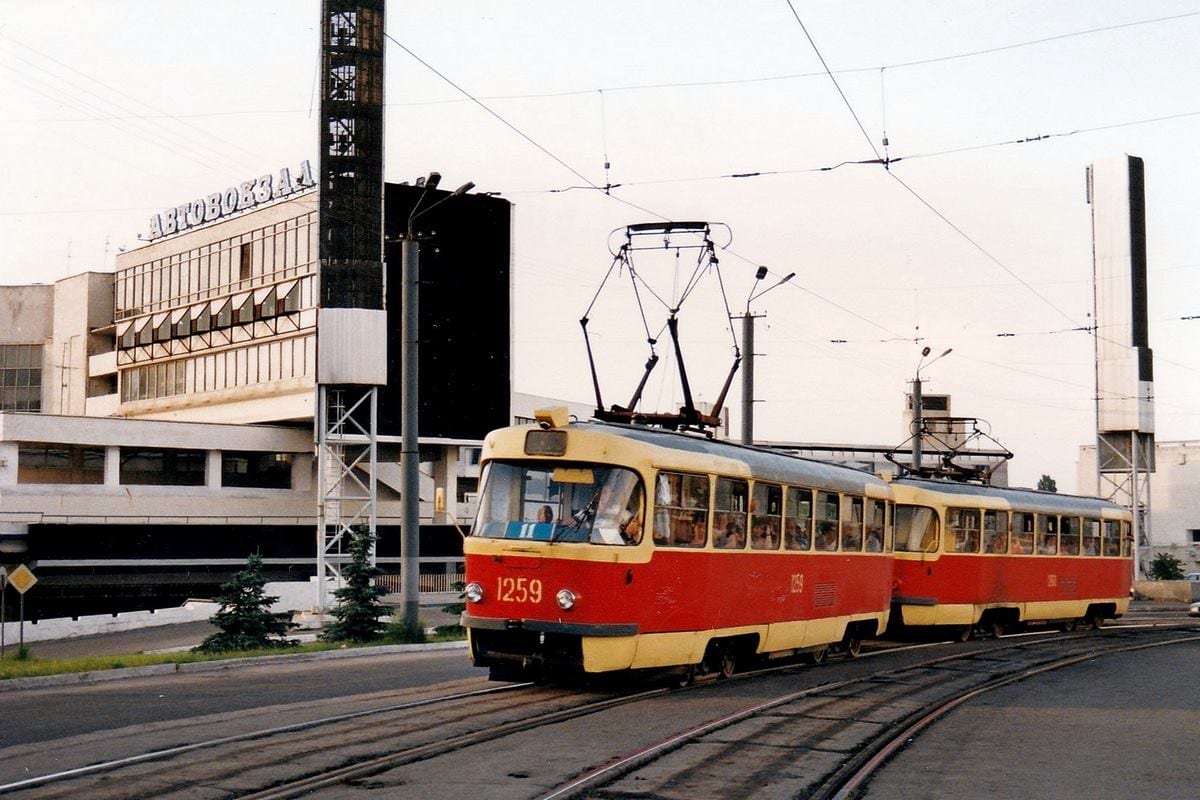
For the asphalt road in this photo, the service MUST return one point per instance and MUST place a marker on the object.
(37, 715)
(1118, 727)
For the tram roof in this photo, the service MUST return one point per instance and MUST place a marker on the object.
(1031, 499)
(763, 464)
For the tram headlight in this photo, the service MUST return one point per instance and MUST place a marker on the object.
(566, 599)
(473, 592)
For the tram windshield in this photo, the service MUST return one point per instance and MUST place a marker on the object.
(560, 503)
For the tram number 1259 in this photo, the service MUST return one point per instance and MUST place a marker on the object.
(519, 590)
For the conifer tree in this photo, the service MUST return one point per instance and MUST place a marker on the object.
(358, 612)
(244, 619)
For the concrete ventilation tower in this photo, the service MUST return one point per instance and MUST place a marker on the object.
(1124, 362)
(352, 322)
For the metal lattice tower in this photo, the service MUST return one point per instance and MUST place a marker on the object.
(1124, 361)
(351, 363)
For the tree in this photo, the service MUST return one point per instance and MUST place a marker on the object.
(1047, 484)
(245, 619)
(358, 611)
(1166, 567)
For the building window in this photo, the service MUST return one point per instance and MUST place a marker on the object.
(1194, 535)
(257, 470)
(244, 270)
(20, 377)
(161, 467)
(59, 463)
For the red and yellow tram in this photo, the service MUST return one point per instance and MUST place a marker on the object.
(970, 556)
(604, 547)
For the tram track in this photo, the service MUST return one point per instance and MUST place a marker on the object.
(841, 732)
(822, 741)
(307, 747)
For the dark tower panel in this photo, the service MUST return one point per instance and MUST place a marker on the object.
(464, 333)
(351, 148)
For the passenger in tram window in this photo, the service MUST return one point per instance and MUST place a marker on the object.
(762, 537)
(699, 532)
(1047, 545)
(874, 539)
(876, 520)
(995, 532)
(681, 528)
(733, 538)
(827, 535)
(1091, 537)
(1022, 533)
(545, 514)
(796, 536)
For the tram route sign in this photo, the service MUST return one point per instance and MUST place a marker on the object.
(22, 579)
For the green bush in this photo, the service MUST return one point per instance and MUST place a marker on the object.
(1166, 567)
(359, 611)
(244, 619)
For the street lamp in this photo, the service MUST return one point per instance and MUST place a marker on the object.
(410, 448)
(748, 348)
(917, 424)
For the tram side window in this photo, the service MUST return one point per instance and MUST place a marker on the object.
(916, 529)
(962, 530)
(1069, 535)
(681, 510)
(1091, 537)
(1047, 534)
(875, 525)
(798, 520)
(1111, 544)
(729, 513)
(995, 532)
(827, 521)
(1126, 540)
(766, 516)
(852, 523)
(1022, 533)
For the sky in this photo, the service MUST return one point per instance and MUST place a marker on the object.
(976, 237)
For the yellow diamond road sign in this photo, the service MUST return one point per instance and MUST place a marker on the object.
(22, 579)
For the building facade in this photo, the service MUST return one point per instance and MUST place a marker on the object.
(158, 420)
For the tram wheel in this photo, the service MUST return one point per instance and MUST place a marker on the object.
(966, 632)
(1095, 621)
(1068, 626)
(817, 656)
(853, 646)
(728, 665)
(684, 679)
(997, 628)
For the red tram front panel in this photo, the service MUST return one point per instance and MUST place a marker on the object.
(659, 612)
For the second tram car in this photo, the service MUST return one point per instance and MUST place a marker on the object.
(970, 557)
(605, 547)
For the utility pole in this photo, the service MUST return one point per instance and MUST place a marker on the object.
(410, 448)
(748, 376)
(748, 347)
(918, 424)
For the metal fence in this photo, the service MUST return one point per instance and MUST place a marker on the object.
(428, 582)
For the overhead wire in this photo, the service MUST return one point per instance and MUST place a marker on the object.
(963, 234)
(514, 128)
(197, 140)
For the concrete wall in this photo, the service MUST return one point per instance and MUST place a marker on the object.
(1166, 591)
(26, 314)
(295, 596)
